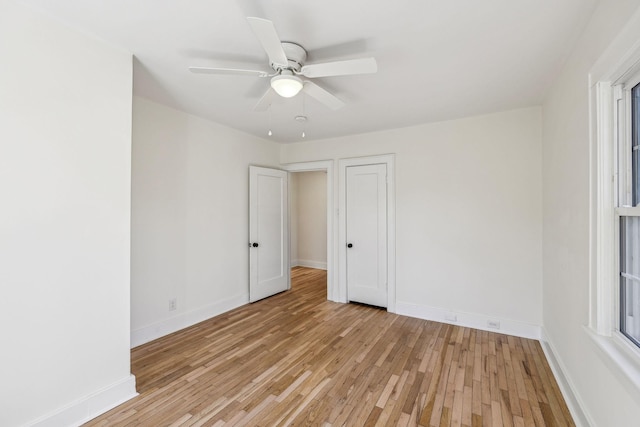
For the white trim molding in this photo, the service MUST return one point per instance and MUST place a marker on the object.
(602, 291)
(389, 161)
(184, 320)
(90, 406)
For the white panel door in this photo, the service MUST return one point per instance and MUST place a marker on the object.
(268, 232)
(366, 215)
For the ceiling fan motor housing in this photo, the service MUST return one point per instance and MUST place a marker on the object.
(296, 55)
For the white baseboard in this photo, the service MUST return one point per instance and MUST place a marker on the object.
(183, 320)
(91, 406)
(469, 320)
(309, 263)
(573, 401)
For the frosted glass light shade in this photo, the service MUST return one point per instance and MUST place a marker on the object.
(286, 86)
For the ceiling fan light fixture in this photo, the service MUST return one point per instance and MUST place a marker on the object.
(287, 86)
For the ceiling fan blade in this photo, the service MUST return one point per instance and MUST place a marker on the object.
(228, 71)
(267, 99)
(268, 37)
(340, 68)
(321, 95)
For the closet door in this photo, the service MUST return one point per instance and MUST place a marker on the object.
(366, 232)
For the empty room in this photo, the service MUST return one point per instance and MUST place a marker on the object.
(272, 213)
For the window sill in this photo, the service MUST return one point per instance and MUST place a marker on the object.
(622, 356)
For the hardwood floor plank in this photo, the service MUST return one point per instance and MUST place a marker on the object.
(298, 359)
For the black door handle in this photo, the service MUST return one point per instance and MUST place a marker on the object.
(255, 245)
(349, 245)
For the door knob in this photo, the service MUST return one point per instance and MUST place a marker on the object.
(255, 245)
(349, 245)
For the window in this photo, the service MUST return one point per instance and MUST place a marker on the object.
(628, 207)
(614, 237)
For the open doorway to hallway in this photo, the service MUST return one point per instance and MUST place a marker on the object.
(308, 221)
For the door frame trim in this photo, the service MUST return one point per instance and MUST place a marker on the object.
(389, 160)
(328, 166)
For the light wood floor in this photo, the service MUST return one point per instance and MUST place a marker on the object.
(297, 359)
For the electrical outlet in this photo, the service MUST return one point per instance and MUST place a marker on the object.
(450, 317)
(173, 304)
(495, 324)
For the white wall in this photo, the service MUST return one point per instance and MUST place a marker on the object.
(468, 214)
(65, 144)
(189, 217)
(606, 401)
(309, 218)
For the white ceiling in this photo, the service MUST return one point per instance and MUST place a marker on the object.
(437, 60)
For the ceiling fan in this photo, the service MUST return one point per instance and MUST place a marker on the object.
(287, 61)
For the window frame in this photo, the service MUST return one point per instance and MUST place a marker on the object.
(623, 185)
(612, 135)
(622, 113)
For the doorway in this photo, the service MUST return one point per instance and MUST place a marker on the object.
(308, 225)
(336, 235)
(309, 255)
(308, 219)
